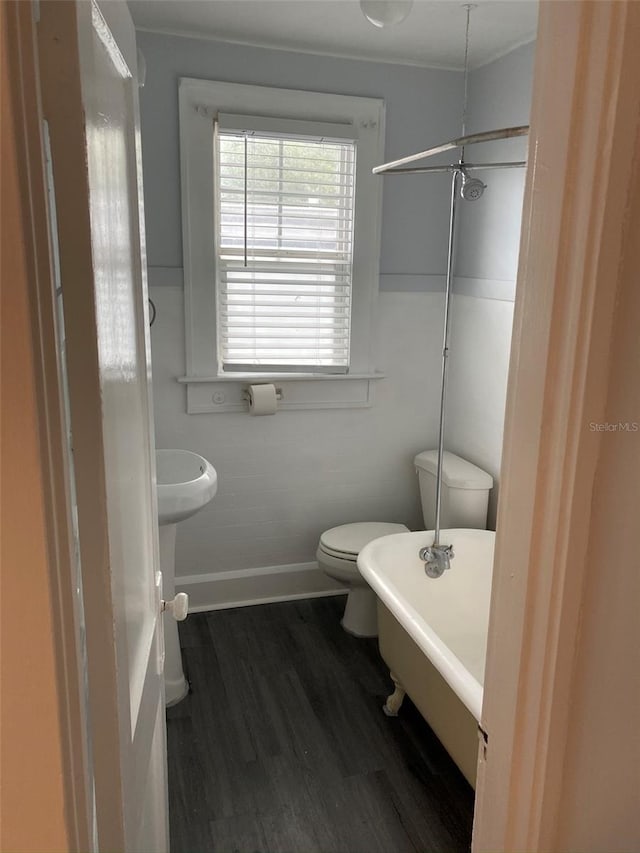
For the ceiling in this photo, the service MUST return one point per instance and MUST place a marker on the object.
(432, 34)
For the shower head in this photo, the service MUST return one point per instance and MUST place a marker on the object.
(471, 188)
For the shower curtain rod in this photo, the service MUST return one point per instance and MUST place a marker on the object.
(468, 167)
(461, 142)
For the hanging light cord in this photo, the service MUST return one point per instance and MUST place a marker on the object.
(246, 193)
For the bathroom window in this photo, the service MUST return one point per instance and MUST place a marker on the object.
(281, 231)
(284, 248)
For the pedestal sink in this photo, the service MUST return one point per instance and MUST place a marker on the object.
(185, 483)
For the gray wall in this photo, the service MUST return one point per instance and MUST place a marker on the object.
(489, 234)
(422, 108)
(486, 268)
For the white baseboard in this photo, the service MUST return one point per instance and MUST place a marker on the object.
(265, 585)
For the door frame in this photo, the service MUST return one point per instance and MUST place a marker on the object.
(583, 168)
(65, 699)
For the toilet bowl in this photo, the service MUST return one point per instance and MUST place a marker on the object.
(464, 503)
(337, 555)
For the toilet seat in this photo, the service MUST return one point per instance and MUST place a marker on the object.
(347, 540)
(337, 553)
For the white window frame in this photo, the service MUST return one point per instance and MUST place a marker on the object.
(200, 101)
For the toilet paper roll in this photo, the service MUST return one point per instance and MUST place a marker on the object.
(263, 400)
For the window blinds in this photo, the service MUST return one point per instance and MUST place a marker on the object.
(285, 250)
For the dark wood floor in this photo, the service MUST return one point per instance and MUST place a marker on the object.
(282, 746)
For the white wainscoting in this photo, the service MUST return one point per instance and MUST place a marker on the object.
(286, 478)
(243, 587)
(478, 369)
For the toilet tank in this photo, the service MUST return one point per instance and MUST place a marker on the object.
(465, 491)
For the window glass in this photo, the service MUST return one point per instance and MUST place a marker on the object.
(284, 248)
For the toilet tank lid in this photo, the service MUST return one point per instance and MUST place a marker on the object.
(457, 473)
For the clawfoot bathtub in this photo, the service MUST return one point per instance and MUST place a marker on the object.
(433, 632)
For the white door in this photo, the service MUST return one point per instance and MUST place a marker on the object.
(89, 80)
(110, 96)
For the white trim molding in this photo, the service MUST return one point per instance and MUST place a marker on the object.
(263, 585)
(282, 47)
(297, 391)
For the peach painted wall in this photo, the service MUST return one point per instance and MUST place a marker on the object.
(561, 771)
(32, 808)
(600, 803)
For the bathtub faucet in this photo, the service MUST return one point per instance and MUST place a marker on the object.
(437, 558)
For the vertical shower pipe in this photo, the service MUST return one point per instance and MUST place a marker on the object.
(445, 346)
(449, 284)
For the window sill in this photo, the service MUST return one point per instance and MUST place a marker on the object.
(209, 394)
(278, 377)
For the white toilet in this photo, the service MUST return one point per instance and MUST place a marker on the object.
(337, 554)
(465, 498)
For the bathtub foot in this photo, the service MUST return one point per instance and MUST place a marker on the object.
(393, 703)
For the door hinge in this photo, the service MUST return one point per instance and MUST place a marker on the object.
(483, 737)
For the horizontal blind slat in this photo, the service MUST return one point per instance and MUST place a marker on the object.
(320, 268)
(282, 196)
(286, 330)
(292, 287)
(306, 291)
(288, 337)
(339, 344)
(302, 141)
(261, 314)
(254, 222)
(267, 353)
(265, 217)
(229, 182)
(318, 323)
(272, 299)
(235, 170)
(261, 257)
(299, 159)
(312, 360)
(309, 168)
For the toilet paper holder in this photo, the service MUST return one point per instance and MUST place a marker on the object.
(246, 396)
